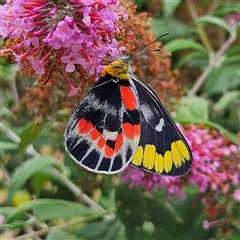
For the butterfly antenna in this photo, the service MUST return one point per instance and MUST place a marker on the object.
(163, 35)
(146, 52)
(110, 57)
(116, 46)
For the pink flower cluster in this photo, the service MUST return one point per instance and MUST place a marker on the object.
(236, 195)
(82, 29)
(149, 181)
(211, 168)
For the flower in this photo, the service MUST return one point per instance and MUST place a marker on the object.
(149, 181)
(207, 225)
(236, 195)
(211, 168)
(50, 35)
(233, 19)
(2, 218)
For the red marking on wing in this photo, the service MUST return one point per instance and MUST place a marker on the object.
(81, 124)
(101, 142)
(128, 98)
(137, 129)
(118, 143)
(108, 151)
(85, 128)
(94, 134)
(128, 130)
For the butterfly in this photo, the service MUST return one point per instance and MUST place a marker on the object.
(121, 121)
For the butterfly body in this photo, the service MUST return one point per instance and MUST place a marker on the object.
(121, 121)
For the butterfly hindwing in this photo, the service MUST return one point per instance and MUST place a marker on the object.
(104, 129)
(162, 148)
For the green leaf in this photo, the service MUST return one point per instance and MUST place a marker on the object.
(214, 20)
(8, 146)
(232, 59)
(227, 8)
(168, 218)
(196, 110)
(6, 211)
(190, 57)
(132, 210)
(29, 135)
(226, 99)
(233, 51)
(194, 107)
(47, 209)
(61, 209)
(6, 112)
(25, 171)
(107, 230)
(169, 8)
(6, 74)
(107, 200)
(191, 211)
(180, 44)
(59, 234)
(145, 217)
(18, 223)
(175, 28)
(222, 79)
(38, 182)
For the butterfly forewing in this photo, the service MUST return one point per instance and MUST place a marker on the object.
(162, 148)
(104, 130)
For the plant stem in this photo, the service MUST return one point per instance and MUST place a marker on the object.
(64, 225)
(77, 191)
(31, 235)
(211, 65)
(15, 138)
(200, 29)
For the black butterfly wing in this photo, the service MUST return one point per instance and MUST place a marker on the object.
(100, 133)
(162, 148)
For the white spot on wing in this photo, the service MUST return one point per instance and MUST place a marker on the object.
(159, 127)
(110, 135)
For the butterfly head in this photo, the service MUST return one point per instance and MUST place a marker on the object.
(118, 69)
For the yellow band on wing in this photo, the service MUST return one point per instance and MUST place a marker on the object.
(151, 160)
(149, 156)
(137, 157)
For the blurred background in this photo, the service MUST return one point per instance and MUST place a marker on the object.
(46, 195)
